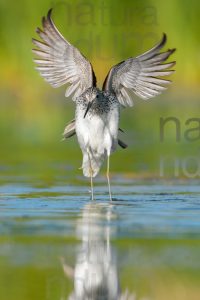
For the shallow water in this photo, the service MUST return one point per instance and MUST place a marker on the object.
(57, 244)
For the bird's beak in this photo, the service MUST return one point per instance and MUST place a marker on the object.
(87, 109)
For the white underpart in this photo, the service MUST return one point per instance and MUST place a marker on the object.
(97, 136)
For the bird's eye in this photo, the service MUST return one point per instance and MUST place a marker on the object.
(97, 96)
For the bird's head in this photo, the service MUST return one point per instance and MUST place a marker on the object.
(92, 95)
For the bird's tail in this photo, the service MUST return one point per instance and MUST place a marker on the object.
(92, 164)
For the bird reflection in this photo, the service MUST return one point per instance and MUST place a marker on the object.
(95, 274)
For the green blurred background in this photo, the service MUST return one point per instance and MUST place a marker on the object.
(33, 114)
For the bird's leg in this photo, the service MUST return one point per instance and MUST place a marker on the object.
(91, 177)
(108, 176)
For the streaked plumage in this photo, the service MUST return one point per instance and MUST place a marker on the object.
(97, 115)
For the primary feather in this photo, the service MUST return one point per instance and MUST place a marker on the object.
(139, 75)
(61, 63)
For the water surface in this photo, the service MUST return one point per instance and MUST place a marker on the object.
(57, 244)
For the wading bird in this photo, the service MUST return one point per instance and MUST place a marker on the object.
(96, 122)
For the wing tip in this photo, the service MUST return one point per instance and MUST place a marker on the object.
(38, 30)
(122, 144)
(163, 42)
(43, 21)
(49, 13)
(164, 38)
(173, 63)
(47, 19)
(172, 50)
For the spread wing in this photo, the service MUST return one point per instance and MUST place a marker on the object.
(140, 75)
(59, 62)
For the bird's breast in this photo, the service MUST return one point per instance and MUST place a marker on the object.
(97, 132)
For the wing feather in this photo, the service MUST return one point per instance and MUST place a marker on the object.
(141, 75)
(61, 63)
